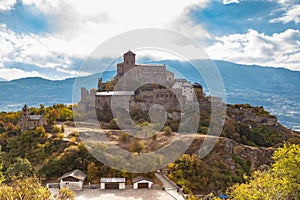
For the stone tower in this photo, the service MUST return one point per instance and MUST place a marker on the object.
(24, 118)
(25, 111)
(100, 85)
(129, 61)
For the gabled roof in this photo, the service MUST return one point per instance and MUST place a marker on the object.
(140, 178)
(112, 180)
(25, 107)
(78, 174)
(35, 117)
(115, 93)
(129, 53)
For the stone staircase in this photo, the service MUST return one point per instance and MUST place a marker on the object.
(167, 183)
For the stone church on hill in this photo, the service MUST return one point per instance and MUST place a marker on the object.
(30, 122)
(141, 72)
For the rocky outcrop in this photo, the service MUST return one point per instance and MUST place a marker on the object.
(229, 151)
(251, 115)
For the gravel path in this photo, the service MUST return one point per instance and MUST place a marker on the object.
(127, 194)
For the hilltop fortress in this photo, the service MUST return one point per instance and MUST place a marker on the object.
(140, 86)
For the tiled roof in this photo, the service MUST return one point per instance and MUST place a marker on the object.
(112, 180)
(35, 117)
(78, 174)
(129, 53)
(140, 178)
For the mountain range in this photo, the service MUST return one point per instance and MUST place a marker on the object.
(276, 89)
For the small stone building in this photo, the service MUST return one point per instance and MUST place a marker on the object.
(120, 98)
(141, 182)
(185, 87)
(112, 183)
(72, 180)
(30, 122)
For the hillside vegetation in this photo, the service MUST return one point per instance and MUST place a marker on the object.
(249, 138)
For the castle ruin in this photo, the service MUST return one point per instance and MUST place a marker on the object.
(157, 86)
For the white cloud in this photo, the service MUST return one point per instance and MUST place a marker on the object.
(292, 15)
(31, 49)
(7, 4)
(114, 16)
(230, 1)
(284, 2)
(185, 25)
(43, 51)
(88, 23)
(80, 26)
(6, 43)
(14, 73)
(277, 50)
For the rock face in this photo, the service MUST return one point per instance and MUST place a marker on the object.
(227, 150)
(251, 115)
(257, 155)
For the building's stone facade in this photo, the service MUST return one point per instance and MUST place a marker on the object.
(186, 88)
(87, 100)
(159, 87)
(141, 73)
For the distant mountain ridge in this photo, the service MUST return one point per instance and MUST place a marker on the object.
(277, 89)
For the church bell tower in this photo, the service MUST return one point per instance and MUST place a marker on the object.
(25, 111)
(129, 61)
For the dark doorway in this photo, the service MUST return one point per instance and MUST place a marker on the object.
(111, 185)
(142, 185)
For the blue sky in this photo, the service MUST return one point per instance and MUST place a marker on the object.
(26, 19)
(51, 38)
(220, 19)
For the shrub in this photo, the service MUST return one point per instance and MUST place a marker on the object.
(168, 131)
(124, 137)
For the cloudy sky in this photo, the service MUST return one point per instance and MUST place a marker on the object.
(51, 38)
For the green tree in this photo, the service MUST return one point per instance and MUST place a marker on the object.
(65, 194)
(93, 171)
(186, 171)
(51, 117)
(64, 114)
(21, 166)
(24, 188)
(25, 144)
(281, 181)
(287, 166)
(2, 177)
